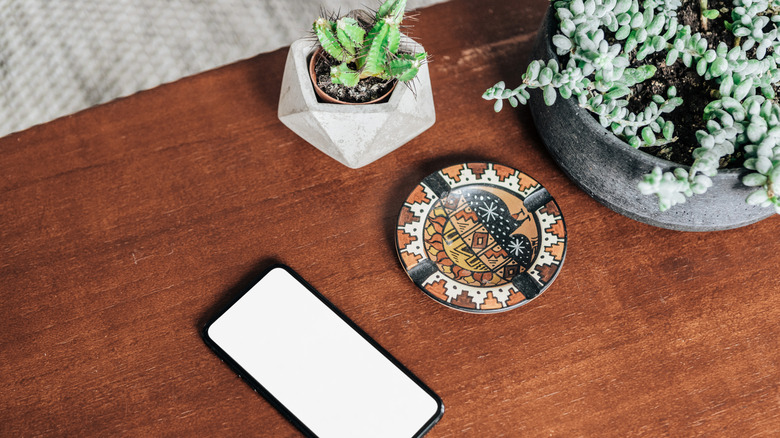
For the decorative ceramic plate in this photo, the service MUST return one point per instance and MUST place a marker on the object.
(481, 237)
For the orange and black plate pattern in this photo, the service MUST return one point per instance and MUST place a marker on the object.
(481, 237)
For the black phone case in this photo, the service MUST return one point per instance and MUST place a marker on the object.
(270, 397)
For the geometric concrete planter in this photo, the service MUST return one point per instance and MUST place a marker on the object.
(354, 135)
(608, 169)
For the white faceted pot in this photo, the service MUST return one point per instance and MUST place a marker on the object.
(354, 135)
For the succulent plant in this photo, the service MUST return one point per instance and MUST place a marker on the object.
(597, 38)
(374, 51)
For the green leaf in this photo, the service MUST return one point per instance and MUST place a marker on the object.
(577, 7)
(548, 92)
(718, 67)
(701, 46)
(568, 27)
(722, 49)
(743, 89)
(671, 57)
(643, 51)
(641, 35)
(668, 130)
(707, 141)
(655, 26)
(648, 136)
(754, 180)
(755, 132)
(621, 6)
(701, 67)
(703, 180)
(498, 105)
(710, 14)
(630, 43)
(623, 32)
(757, 197)
(647, 71)
(590, 7)
(658, 43)
(765, 148)
(632, 76)
(562, 43)
(763, 165)
(545, 76)
(637, 20)
(734, 53)
(565, 91)
(617, 92)
(533, 70)
(671, 29)
(726, 86)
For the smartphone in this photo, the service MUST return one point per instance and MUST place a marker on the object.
(314, 365)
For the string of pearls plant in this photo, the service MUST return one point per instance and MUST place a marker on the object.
(599, 37)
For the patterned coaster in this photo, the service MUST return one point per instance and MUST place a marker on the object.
(481, 237)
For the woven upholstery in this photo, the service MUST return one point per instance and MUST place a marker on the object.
(58, 57)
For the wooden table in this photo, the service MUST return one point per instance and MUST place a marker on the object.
(126, 225)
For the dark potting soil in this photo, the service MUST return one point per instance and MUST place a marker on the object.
(694, 89)
(366, 90)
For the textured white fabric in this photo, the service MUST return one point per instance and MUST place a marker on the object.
(58, 57)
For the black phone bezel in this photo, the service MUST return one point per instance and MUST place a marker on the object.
(258, 387)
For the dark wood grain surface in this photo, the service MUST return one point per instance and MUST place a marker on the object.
(124, 226)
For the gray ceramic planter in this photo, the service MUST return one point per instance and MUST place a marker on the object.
(609, 170)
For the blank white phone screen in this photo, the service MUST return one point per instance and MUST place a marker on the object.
(317, 366)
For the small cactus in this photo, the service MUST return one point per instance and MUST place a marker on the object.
(364, 54)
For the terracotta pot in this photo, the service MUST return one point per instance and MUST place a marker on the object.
(608, 169)
(328, 98)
